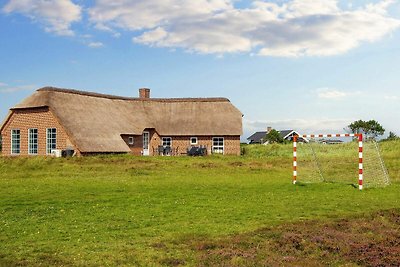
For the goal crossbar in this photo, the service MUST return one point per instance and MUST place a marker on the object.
(360, 152)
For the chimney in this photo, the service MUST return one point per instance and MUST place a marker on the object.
(144, 93)
(269, 128)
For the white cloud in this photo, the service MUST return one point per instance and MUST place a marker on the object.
(2, 84)
(331, 93)
(152, 36)
(13, 89)
(291, 29)
(391, 97)
(147, 14)
(328, 93)
(56, 15)
(95, 44)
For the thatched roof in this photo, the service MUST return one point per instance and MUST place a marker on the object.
(95, 122)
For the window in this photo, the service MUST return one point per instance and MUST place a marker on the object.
(33, 141)
(218, 145)
(130, 140)
(193, 140)
(15, 141)
(51, 140)
(166, 141)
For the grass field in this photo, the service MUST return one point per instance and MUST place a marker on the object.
(124, 210)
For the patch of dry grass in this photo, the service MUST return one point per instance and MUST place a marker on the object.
(366, 240)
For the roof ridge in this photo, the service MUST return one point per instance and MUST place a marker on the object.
(92, 94)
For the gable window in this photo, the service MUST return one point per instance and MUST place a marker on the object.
(193, 141)
(218, 145)
(130, 140)
(32, 141)
(166, 141)
(51, 140)
(15, 141)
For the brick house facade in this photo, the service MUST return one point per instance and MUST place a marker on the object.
(90, 123)
(34, 118)
(180, 144)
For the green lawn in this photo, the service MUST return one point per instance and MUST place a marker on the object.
(123, 210)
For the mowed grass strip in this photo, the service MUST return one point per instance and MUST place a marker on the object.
(123, 210)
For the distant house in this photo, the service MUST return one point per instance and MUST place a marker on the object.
(259, 137)
(331, 141)
(54, 119)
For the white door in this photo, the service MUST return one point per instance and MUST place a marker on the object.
(146, 136)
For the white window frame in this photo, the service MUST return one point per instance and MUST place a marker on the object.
(195, 143)
(31, 138)
(47, 140)
(166, 137)
(131, 140)
(12, 141)
(219, 147)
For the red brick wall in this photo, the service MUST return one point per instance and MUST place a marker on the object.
(155, 141)
(137, 147)
(180, 144)
(39, 118)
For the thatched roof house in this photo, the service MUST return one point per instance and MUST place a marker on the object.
(97, 123)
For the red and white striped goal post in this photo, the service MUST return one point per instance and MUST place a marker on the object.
(360, 153)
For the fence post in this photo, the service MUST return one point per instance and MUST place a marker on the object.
(360, 161)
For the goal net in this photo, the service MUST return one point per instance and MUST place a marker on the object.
(339, 158)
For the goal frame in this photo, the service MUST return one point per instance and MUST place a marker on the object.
(360, 152)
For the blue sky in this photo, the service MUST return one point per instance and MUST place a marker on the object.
(310, 65)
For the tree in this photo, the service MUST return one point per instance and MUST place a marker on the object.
(371, 128)
(374, 129)
(391, 136)
(1, 143)
(273, 136)
(357, 126)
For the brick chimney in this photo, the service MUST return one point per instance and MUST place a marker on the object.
(269, 128)
(144, 93)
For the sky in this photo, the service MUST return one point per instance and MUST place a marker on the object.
(310, 65)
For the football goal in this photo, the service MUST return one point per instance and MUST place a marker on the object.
(338, 158)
